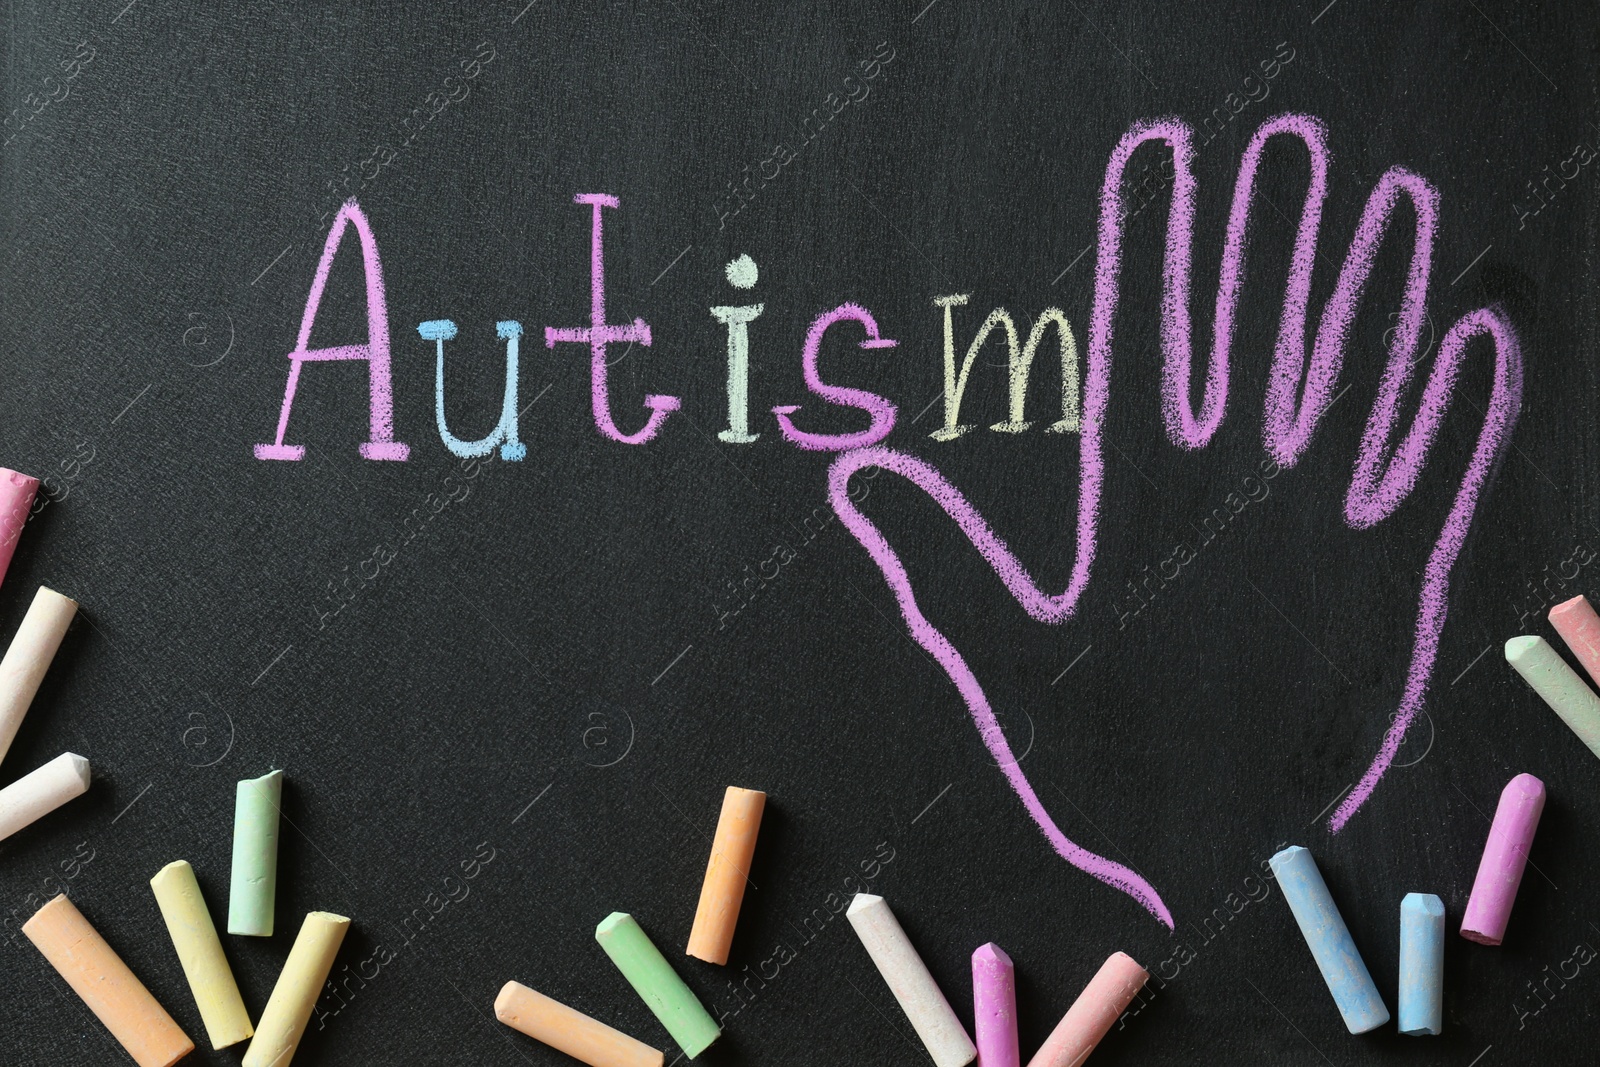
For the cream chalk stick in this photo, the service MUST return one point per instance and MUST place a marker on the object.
(41, 791)
(194, 935)
(115, 995)
(569, 1030)
(907, 976)
(283, 1020)
(29, 657)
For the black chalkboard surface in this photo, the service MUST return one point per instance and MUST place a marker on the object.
(508, 689)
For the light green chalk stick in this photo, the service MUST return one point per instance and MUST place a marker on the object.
(1568, 695)
(253, 895)
(653, 978)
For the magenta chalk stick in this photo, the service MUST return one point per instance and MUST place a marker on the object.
(1579, 627)
(994, 1007)
(16, 500)
(1505, 855)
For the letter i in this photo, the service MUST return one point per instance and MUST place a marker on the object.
(742, 274)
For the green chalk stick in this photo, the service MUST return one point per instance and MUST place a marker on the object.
(653, 978)
(1568, 695)
(253, 896)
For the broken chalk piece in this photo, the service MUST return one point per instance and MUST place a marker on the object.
(1092, 1015)
(1329, 939)
(1505, 856)
(1568, 695)
(194, 936)
(17, 491)
(908, 979)
(253, 892)
(28, 658)
(115, 995)
(283, 1020)
(994, 1007)
(657, 984)
(726, 873)
(1421, 964)
(569, 1030)
(41, 791)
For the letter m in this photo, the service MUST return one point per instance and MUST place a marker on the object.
(1020, 363)
(375, 351)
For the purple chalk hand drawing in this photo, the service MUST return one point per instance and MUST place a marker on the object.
(1298, 394)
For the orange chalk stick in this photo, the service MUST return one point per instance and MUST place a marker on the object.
(112, 992)
(726, 873)
(570, 1030)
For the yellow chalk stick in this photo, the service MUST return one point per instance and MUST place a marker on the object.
(726, 873)
(97, 974)
(570, 1031)
(283, 1021)
(194, 935)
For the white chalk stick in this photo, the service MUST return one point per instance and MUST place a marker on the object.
(29, 657)
(39, 792)
(908, 978)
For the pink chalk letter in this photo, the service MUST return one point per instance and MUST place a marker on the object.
(881, 410)
(597, 335)
(375, 351)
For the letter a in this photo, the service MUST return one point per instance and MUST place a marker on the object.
(375, 351)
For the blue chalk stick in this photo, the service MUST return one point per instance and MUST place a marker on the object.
(1325, 932)
(1421, 964)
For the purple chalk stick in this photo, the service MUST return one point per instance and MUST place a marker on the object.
(994, 1007)
(1505, 854)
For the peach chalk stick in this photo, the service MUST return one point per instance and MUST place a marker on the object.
(29, 657)
(98, 975)
(41, 791)
(726, 873)
(908, 979)
(17, 491)
(283, 1020)
(569, 1030)
(1579, 627)
(1093, 1014)
(194, 935)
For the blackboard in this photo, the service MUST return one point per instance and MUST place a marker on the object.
(544, 671)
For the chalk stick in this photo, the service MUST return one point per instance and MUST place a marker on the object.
(253, 892)
(1505, 855)
(1579, 626)
(994, 1007)
(194, 936)
(104, 983)
(569, 1030)
(657, 984)
(1421, 964)
(283, 1020)
(1568, 695)
(17, 491)
(41, 791)
(1093, 1014)
(726, 873)
(1329, 939)
(29, 656)
(907, 976)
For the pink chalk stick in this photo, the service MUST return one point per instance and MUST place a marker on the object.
(994, 1007)
(1579, 627)
(1505, 855)
(1092, 1015)
(16, 500)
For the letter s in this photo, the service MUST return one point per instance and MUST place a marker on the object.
(880, 409)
